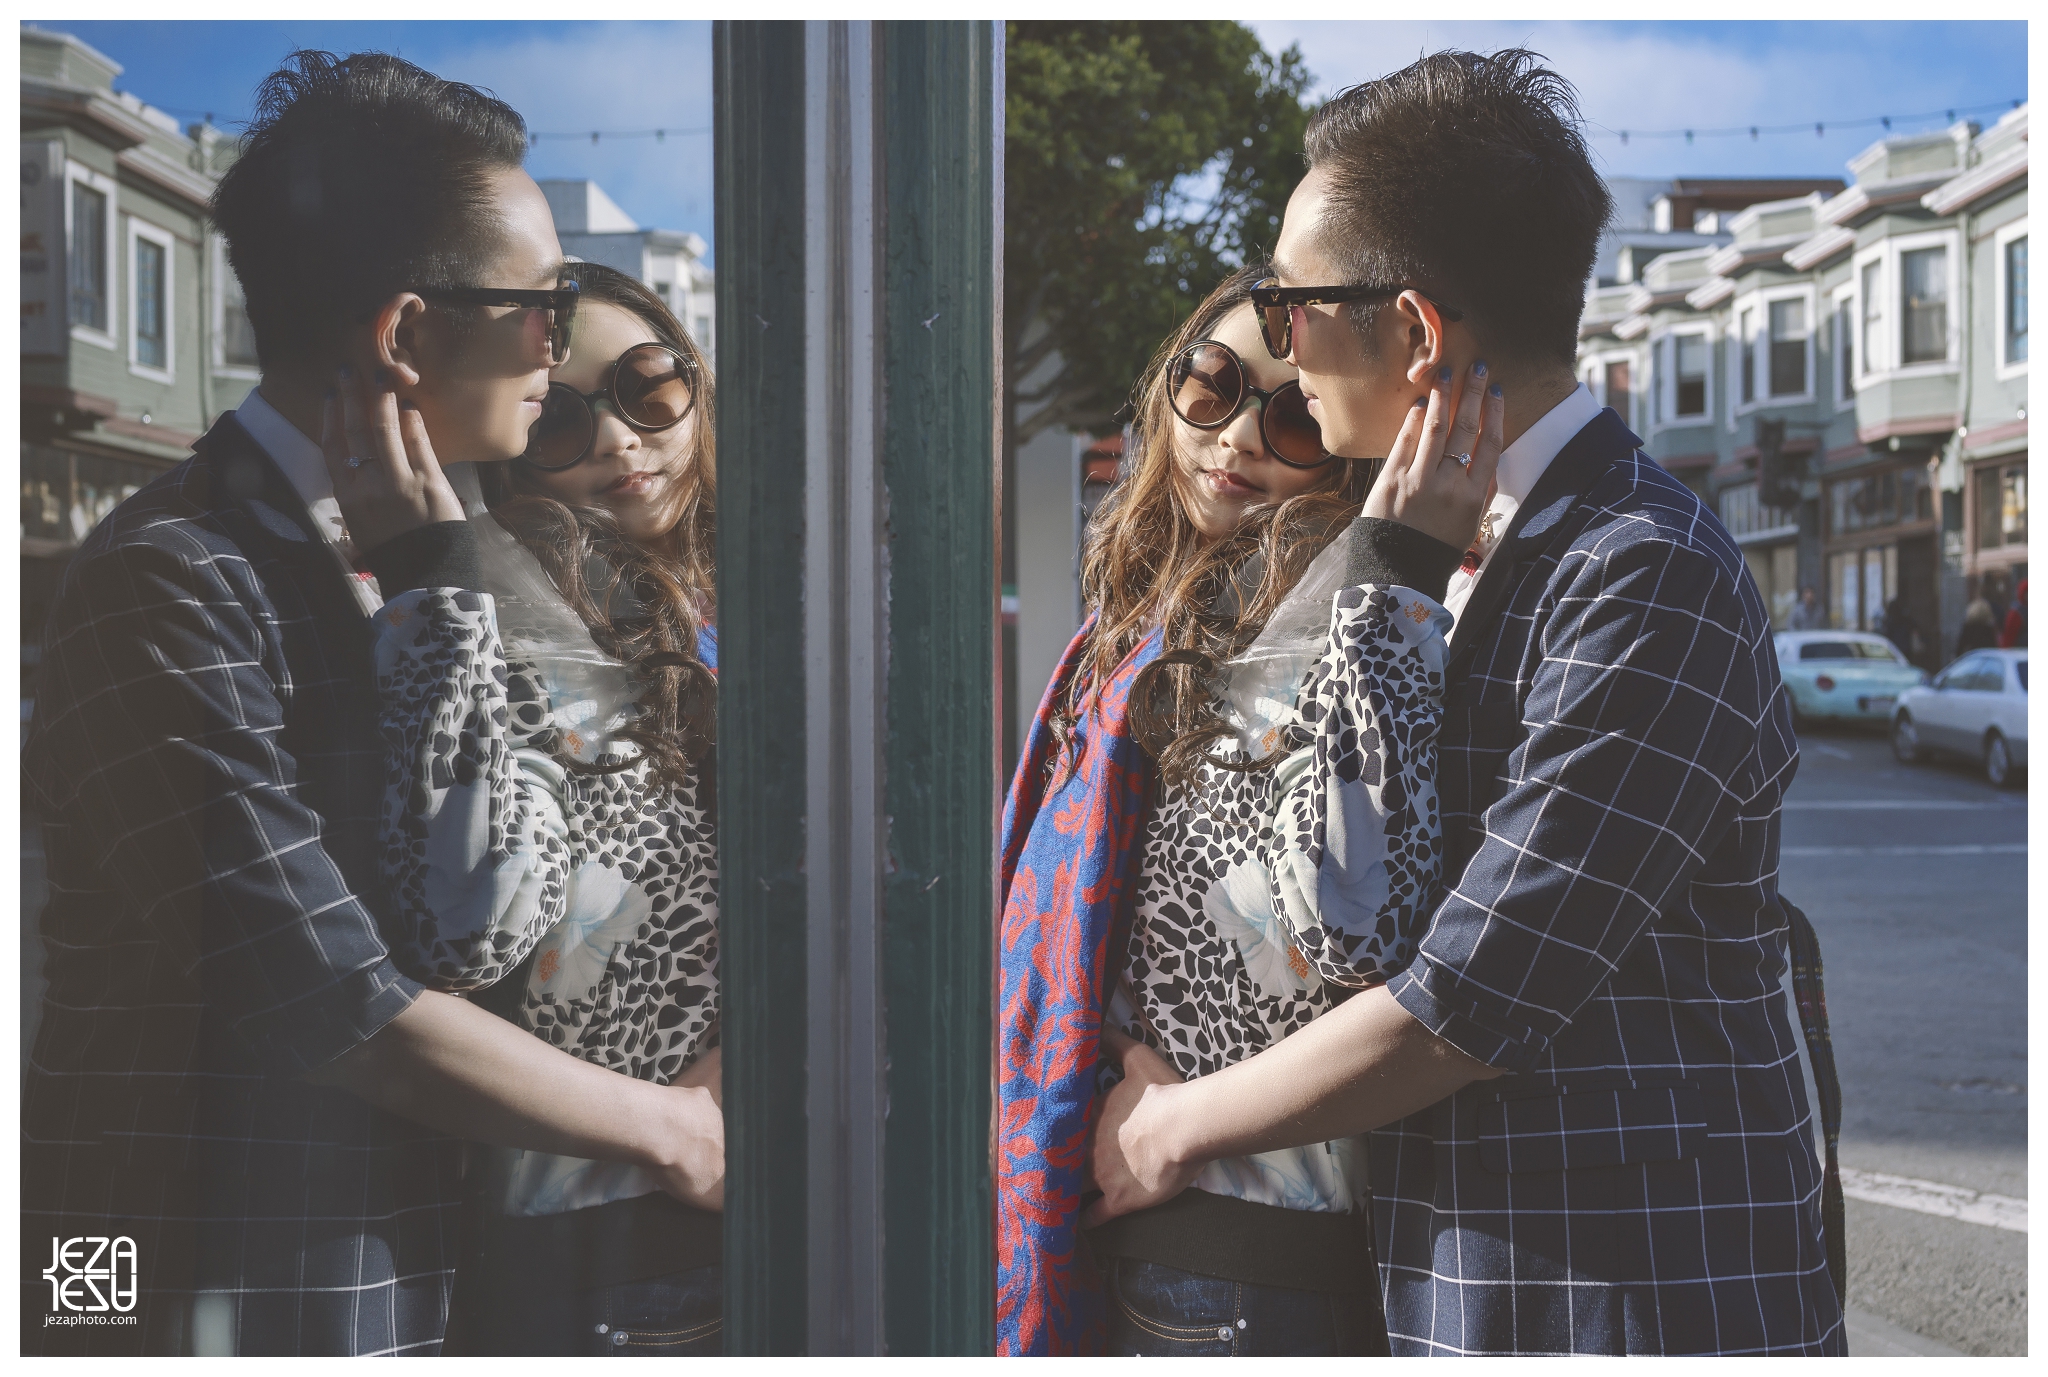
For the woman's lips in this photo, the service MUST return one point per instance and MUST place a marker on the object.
(1224, 483)
(636, 484)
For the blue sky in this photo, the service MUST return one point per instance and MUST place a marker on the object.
(560, 76)
(1651, 75)
(1633, 75)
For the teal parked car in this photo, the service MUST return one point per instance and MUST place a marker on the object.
(1843, 676)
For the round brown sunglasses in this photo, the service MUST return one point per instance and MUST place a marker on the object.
(1208, 385)
(651, 386)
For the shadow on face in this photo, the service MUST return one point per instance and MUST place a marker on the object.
(1224, 472)
(637, 475)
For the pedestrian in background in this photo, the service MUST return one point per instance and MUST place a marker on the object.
(2014, 635)
(1899, 628)
(1808, 615)
(1980, 626)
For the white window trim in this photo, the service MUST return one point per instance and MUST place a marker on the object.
(1889, 252)
(1845, 399)
(2016, 230)
(1760, 302)
(1869, 368)
(1732, 365)
(218, 247)
(75, 171)
(1664, 371)
(140, 231)
(1596, 378)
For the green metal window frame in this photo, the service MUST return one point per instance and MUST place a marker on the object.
(930, 149)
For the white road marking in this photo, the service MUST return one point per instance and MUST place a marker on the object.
(1931, 1197)
(1822, 748)
(1993, 849)
(1914, 804)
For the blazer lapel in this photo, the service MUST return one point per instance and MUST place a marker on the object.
(1599, 443)
(273, 518)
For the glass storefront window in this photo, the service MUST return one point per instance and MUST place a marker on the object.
(1873, 501)
(1743, 515)
(65, 494)
(2001, 505)
(1861, 583)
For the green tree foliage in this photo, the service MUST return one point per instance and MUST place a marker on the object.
(1144, 162)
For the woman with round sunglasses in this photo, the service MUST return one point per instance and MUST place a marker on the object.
(550, 821)
(1221, 826)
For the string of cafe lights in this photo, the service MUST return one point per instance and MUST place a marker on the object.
(594, 135)
(1754, 131)
(533, 136)
(1819, 127)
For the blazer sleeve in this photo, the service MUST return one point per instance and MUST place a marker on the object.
(161, 744)
(1639, 717)
(1356, 852)
(477, 851)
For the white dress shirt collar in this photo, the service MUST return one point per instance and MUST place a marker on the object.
(289, 449)
(306, 468)
(1523, 462)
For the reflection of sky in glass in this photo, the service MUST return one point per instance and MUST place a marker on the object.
(561, 76)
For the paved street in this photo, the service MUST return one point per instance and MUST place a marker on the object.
(1915, 878)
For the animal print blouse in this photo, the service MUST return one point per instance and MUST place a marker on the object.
(495, 851)
(1267, 898)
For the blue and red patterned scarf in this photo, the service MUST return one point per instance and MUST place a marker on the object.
(1071, 855)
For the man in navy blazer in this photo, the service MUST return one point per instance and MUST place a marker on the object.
(1589, 1132)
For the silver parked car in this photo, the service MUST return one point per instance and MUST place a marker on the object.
(1976, 708)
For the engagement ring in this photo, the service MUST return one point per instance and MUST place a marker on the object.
(353, 462)
(1464, 460)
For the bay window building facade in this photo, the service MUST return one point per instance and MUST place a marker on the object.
(1842, 377)
(133, 338)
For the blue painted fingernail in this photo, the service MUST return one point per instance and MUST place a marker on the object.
(1479, 369)
(381, 378)
(1443, 375)
(1493, 391)
(1421, 401)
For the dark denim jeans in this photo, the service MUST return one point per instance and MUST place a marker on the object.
(1158, 1311)
(678, 1315)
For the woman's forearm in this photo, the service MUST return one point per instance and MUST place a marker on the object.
(448, 1065)
(1361, 1066)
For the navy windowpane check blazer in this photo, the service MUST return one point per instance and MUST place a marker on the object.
(1614, 750)
(206, 763)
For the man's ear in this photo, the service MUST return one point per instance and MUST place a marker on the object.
(1421, 337)
(396, 337)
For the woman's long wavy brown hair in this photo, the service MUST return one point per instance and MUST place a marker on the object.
(1145, 564)
(643, 605)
